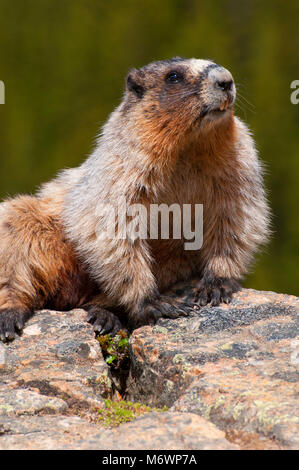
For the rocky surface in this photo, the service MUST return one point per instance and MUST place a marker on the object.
(235, 365)
(40, 432)
(57, 355)
(163, 431)
(229, 375)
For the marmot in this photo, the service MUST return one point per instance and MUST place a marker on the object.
(173, 139)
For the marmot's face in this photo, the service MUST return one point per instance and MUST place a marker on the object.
(179, 94)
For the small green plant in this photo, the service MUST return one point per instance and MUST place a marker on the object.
(115, 413)
(116, 349)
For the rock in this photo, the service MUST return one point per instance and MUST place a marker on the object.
(161, 431)
(55, 367)
(236, 365)
(228, 374)
(44, 432)
(57, 355)
(26, 402)
(158, 431)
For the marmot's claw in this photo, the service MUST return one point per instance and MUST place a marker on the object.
(12, 322)
(213, 291)
(162, 306)
(103, 321)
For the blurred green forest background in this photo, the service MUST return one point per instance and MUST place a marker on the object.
(63, 63)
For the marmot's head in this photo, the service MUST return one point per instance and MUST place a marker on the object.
(172, 97)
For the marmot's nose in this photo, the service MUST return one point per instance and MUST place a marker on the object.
(221, 78)
(222, 84)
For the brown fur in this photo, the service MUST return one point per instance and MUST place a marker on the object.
(39, 266)
(163, 144)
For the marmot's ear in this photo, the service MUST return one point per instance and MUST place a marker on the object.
(135, 84)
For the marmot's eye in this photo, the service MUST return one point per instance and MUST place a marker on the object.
(174, 77)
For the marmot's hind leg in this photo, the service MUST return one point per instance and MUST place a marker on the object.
(12, 321)
(103, 315)
(37, 266)
(214, 290)
(161, 306)
(103, 321)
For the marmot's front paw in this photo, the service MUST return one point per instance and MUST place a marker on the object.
(12, 322)
(215, 290)
(103, 321)
(161, 306)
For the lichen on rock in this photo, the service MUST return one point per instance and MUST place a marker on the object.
(228, 375)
